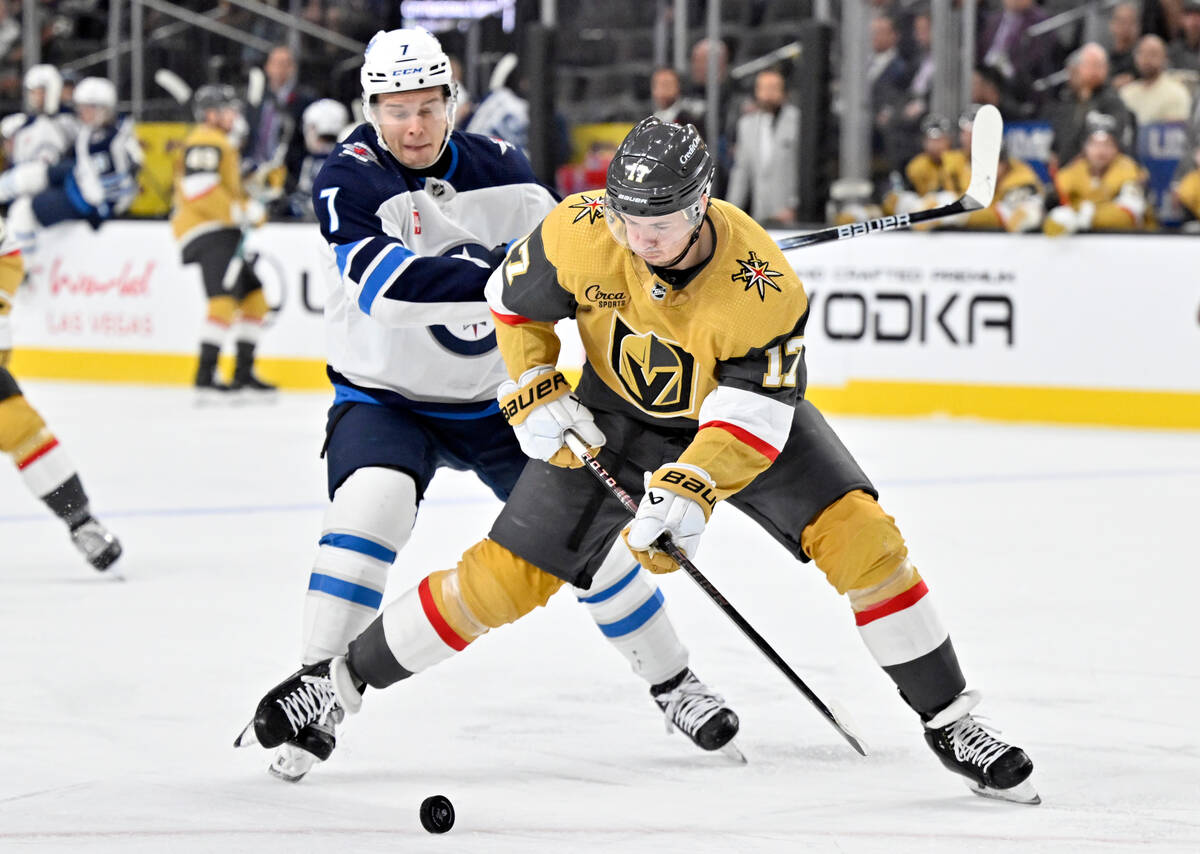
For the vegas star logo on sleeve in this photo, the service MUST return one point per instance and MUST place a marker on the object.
(591, 207)
(757, 273)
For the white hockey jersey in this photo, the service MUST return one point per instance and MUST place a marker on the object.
(410, 252)
(45, 138)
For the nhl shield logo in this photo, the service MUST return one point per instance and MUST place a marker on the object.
(656, 373)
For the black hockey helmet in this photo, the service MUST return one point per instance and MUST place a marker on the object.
(213, 96)
(659, 168)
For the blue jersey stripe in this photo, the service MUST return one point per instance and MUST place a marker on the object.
(380, 276)
(362, 545)
(610, 592)
(431, 280)
(345, 590)
(342, 252)
(635, 620)
(365, 257)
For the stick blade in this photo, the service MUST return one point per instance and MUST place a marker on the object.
(174, 85)
(987, 133)
(255, 87)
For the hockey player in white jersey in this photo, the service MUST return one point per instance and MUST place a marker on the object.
(93, 180)
(323, 123)
(416, 216)
(48, 131)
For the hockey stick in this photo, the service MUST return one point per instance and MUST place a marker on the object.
(986, 137)
(664, 543)
(174, 85)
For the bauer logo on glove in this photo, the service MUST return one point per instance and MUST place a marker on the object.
(541, 409)
(542, 389)
(679, 499)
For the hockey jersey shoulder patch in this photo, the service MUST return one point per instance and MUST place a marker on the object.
(358, 151)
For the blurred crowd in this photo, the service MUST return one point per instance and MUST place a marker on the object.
(1102, 131)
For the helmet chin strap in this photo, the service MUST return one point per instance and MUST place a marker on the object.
(691, 241)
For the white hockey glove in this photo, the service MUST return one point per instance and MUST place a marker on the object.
(248, 214)
(678, 501)
(541, 407)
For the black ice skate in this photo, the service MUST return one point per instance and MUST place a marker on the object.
(245, 380)
(315, 694)
(992, 768)
(699, 713)
(96, 543)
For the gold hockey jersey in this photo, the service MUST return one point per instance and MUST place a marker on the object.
(951, 174)
(721, 355)
(1189, 192)
(1076, 184)
(208, 184)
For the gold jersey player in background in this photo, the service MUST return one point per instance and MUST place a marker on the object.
(36, 452)
(211, 213)
(693, 325)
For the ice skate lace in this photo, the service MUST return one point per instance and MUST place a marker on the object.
(973, 742)
(313, 701)
(689, 706)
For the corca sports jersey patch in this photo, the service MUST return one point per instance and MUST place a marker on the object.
(757, 273)
(658, 374)
(589, 207)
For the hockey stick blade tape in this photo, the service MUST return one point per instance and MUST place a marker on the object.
(987, 133)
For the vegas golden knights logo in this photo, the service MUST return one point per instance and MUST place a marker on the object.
(656, 373)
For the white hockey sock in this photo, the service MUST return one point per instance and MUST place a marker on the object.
(369, 521)
(628, 608)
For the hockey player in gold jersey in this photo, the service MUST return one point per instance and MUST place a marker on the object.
(25, 438)
(211, 211)
(1188, 189)
(693, 325)
(1101, 189)
(937, 176)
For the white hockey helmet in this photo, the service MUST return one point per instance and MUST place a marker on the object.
(99, 93)
(323, 122)
(405, 60)
(326, 117)
(46, 78)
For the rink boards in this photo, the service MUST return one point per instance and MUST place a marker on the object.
(1100, 330)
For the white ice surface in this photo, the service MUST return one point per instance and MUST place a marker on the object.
(1064, 562)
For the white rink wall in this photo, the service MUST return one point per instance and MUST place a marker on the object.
(1090, 329)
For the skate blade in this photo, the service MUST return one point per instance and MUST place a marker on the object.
(247, 737)
(1022, 793)
(733, 752)
(279, 774)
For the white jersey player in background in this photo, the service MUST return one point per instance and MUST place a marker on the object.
(416, 216)
(48, 131)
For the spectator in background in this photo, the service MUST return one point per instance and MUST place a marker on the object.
(1154, 96)
(466, 103)
(1020, 58)
(888, 77)
(1087, 91)
(764, 180)
(921, 85)
(277, 119)
(988, 86)
(728, 105)
(1102, 189)
(1124, 29)
(666, 96)
(1185, 50)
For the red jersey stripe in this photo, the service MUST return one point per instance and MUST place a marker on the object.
(38, 454)
(899, 602)
(509, 319)
(450, 637)
(745, 436)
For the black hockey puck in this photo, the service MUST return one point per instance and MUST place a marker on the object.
(437, 814)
